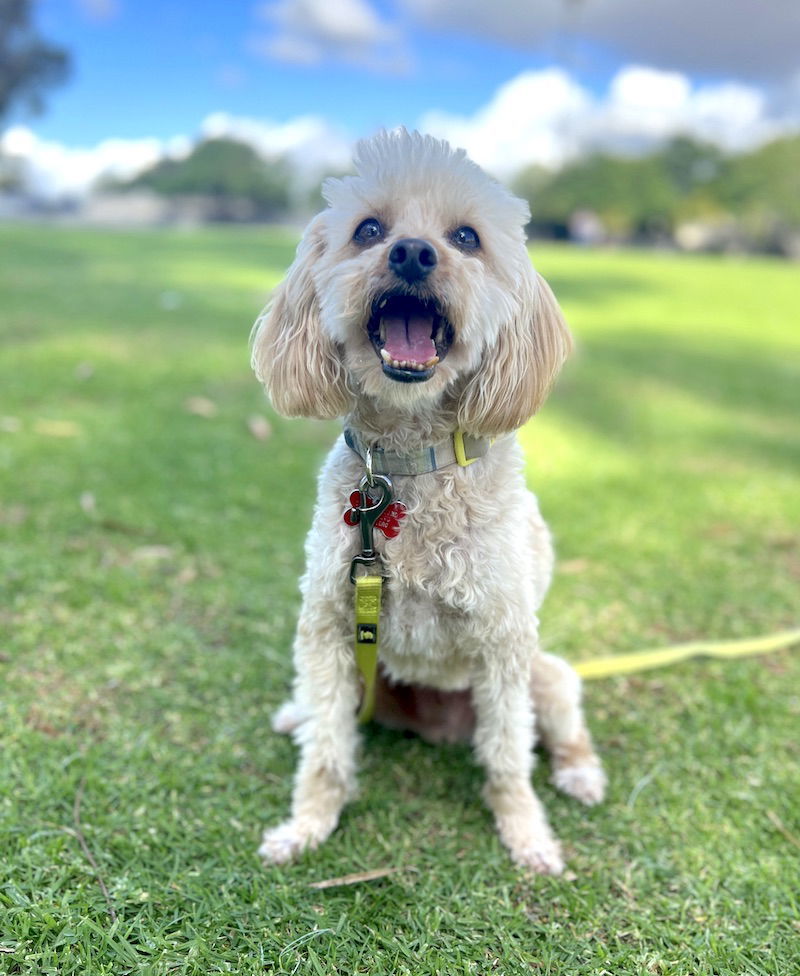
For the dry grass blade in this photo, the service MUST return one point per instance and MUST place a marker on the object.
(77, 832)
(358, 878)
(782, 829)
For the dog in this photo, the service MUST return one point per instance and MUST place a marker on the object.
(413, 312)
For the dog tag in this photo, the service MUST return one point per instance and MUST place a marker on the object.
(388, 521)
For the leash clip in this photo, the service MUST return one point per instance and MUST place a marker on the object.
(368, 465)
(369, 510)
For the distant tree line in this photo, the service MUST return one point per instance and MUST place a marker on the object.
(687, 192)
(240, 184)
(751, 200)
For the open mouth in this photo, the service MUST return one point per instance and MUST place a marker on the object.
(410, 335)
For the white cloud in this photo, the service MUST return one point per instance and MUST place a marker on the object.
(545, 117)
(535, 116)
(755, 39)
(338, 22)
(644, 106)
(518, 22)
(308, 32)
(99, 9)
(310, 143)
(646, 90)
(53, 170)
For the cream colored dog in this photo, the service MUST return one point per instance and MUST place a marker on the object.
(412, 311)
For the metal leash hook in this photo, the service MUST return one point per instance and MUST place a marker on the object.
(369, 510)
(368, 465)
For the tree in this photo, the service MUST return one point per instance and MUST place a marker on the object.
(690, 165)
(631, 196)
(28, 64)
(226, 171)
(766, 181)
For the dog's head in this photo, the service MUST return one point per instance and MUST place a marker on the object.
(413, 288)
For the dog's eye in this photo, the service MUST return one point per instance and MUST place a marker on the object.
(368, 230)
(466, 237)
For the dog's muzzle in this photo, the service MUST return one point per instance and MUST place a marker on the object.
(410, 335)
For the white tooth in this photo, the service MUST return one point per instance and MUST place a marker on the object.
(385, 356)
(419, 367)
(382, 330)
(396, 364)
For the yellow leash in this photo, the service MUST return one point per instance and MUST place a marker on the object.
(368, 612)
(605, 667)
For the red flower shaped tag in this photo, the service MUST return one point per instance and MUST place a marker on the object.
(389, 520)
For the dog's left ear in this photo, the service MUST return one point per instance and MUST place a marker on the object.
(520, 368)
(292, 356)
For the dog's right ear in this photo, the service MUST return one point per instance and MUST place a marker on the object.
(291, 355)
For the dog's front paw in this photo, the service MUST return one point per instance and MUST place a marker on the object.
(288, 717)
(543, 856)
(283, 843)
(531, 844)
(586, 782)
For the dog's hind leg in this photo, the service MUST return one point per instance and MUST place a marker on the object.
(556, 693)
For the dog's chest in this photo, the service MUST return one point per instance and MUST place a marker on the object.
(444, 539)
(456, 569)
(437, 582)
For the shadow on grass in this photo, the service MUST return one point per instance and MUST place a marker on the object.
(137, 282)
(615, 385)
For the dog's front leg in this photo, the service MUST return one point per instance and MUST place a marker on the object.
(504, 734)
(326, 689)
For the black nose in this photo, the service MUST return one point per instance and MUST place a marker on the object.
(412, 259)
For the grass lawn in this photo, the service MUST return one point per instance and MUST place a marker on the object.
(150, 544)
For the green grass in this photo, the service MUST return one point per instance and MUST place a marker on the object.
(148, 561)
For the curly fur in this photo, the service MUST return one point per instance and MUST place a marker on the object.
(459, 653)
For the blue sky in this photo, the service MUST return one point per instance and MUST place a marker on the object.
(156, 68)
(514, 81)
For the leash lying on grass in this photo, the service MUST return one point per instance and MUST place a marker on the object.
(605, 667)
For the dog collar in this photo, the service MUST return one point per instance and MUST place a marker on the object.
(459, 448)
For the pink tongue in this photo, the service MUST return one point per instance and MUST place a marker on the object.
(409, 340)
